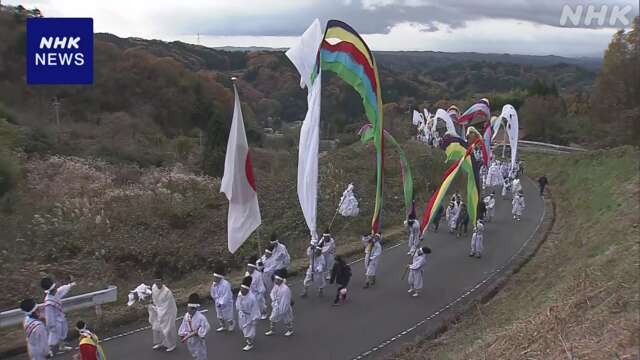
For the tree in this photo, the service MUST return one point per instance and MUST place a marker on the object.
(616, 100)
(215, 145)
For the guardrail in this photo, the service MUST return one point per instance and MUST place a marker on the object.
(554, 146)
(542, 147)
(94, 299)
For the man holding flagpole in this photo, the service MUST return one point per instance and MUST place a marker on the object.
(238, 182)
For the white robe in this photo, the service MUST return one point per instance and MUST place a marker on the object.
(199, 325)
(270, 266)
(516, 186)
(506, 187)
(452, 216)
(414, 237)
(223, 299)
(37, 338)
(162, 317)
(248, 314)
(416, 271)
(281, 309)
(477, 240)
(490, 202)
(329, 253)
(259, 290)
(54, 313)
(372, 258)
(518, 205)
(281, 256)
(316, 271)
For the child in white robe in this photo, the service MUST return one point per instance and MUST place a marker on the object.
(194, 328)
(477, 240)
(452, 216)
(223, 301)
(248, 312)
(372, 253)
(56, 321)
(35, 331)
(162, 317)
(281, 310)
(416, 271)
(316, 271)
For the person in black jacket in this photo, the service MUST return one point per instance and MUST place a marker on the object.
(340, 274)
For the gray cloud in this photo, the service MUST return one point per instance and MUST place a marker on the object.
(372, 19)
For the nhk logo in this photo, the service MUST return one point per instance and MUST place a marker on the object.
(59, 51)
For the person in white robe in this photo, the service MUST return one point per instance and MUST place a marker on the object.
(223, 301)
(329, 252)
(315, 271)
(162, 317)
(452, 216)
(372, 254)
(269, 267)
(35, 331)
(56, 321)
(477, 240)
(495, 176)
(248, 313)
(281, 310)
(518, 206)
(416, 271)
(516, 186)
(413, 230)
(490, 202)
(506, 187)
(194, 329)
(258, 288)
(280, 253)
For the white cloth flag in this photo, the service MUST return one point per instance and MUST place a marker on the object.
(509, 113)
(417, 118)
(443, 115)
(303, 56)
(238, 183)
(348, 203)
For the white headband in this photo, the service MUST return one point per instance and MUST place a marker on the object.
(244, 286)
(326, 234)
(218, 275)
(278, 277)
(252, 265)
(50, 288)
(193, 305)
(268, 251)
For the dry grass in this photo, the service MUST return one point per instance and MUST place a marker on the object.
(578, 298)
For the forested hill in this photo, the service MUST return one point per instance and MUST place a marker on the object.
(157, 91)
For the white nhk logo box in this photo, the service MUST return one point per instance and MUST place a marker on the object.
(59, 51)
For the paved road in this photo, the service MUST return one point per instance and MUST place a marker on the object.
(373, 316)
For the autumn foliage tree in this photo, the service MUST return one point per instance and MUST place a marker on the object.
(616, 100)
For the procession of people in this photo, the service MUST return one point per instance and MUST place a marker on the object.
(264, 293)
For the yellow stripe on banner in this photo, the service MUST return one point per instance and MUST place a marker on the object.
(342, 34)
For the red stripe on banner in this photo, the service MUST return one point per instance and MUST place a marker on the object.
(464, 119)
(356, 55)
(248, 169)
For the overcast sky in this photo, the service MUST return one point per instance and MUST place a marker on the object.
(498, 26)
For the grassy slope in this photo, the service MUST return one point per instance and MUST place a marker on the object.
(578, 297)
